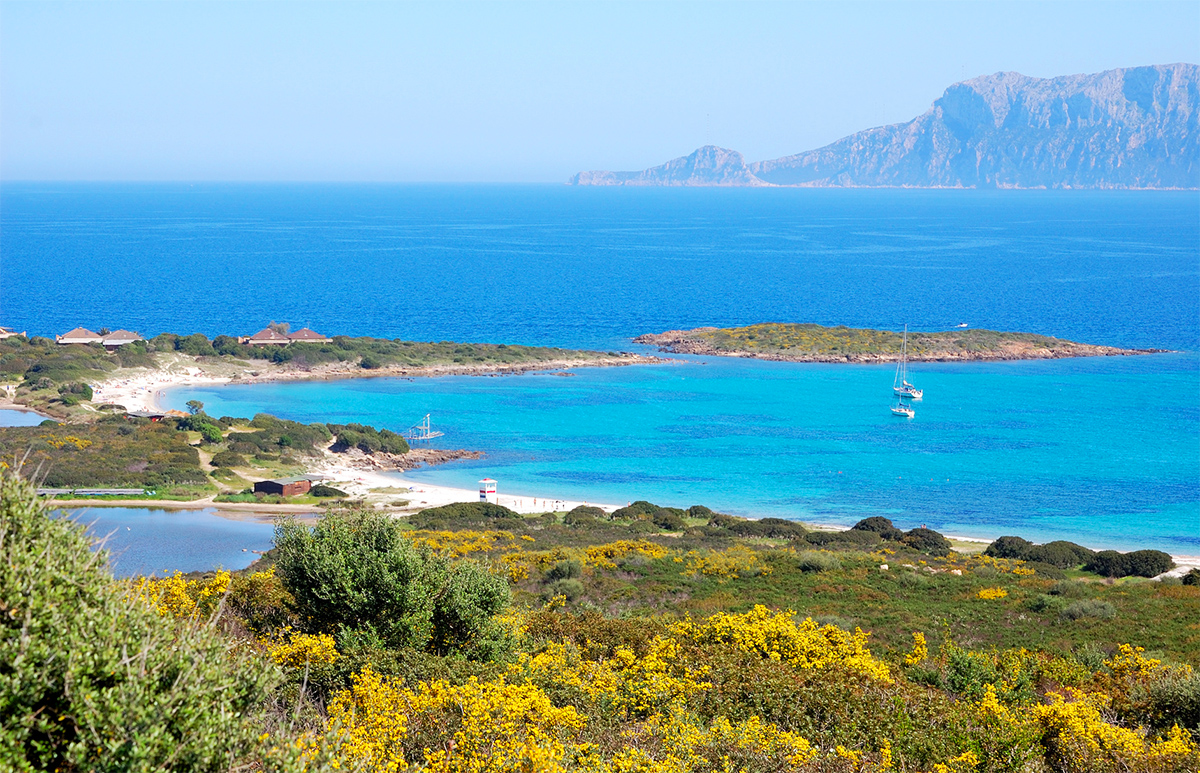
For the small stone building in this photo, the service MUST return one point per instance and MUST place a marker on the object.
(287, 487)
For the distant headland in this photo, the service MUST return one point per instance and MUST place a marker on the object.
(817, 343)
(1127, 128)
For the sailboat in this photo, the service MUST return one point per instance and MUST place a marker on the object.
(902, 408)
(900, 386)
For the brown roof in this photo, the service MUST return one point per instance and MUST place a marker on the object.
(267, 334)
(304, 334)
(80, 332)
(122, 335)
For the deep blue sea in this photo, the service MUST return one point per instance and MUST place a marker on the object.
(1103, 451)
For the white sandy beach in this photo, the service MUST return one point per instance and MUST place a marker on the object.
(143, 392)
(360, 483)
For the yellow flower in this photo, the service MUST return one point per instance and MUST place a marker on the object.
(989, 594)
(920, 650)
(776, 635)
(301, 649)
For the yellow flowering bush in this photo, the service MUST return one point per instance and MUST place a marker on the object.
(469, 728)
(729, 564)
(677, 743)
(919, 652)
(462, 543)
(297, 650)
(624, 683)
(178, 597)
(1079, 740)
(1129, 662)
(990, 594)
(66, 440)
(605, 556)
(776, 635)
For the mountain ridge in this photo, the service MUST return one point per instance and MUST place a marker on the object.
(1127, 128)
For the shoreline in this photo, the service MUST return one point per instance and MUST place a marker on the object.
(366, 485)
(142, 388)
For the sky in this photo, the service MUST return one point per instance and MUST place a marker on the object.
(508, 92)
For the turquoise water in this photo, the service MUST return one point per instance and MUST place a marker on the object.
(1102, 451)
(143, 540)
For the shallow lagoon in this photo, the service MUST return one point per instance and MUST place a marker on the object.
(143, 540)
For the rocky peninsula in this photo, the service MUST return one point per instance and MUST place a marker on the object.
(817, 343)
(1130, 128)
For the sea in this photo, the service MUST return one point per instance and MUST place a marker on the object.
(1102, 451)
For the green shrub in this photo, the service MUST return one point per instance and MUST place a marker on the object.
(880, 525)
(927, 541)
(669, 520)
(584, 515)
(570, 588)
(1139, 563)
(565, 570)
(228, 459)
(94, 679)
(367, 439)
(1078, 610)
(848, 537)
(323, 491)
(76, 390)
(1192, 577)
(1045, 603)
(636, 509)
(1008, 547)
(1060, 553)
(815, 561)
(355, 570)
(1168, 698)
(1071, 589)
(775, 528)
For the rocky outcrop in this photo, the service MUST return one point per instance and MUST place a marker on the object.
(1137, 127)
(710, 166)
(879, 346)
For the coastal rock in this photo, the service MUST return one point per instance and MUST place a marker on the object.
(708, 166)
(416, 457)
(1136, 127)
(777, 342)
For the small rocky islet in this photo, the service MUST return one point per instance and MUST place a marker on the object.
(807, 342)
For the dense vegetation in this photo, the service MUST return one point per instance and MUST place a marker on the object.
(165, 456)
(817, 340)
(469, 638)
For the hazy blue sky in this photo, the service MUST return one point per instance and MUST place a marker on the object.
(507, 91)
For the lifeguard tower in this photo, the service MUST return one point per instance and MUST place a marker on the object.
(487, 490)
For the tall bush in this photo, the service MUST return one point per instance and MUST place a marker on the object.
(92, 678)
(355, 570)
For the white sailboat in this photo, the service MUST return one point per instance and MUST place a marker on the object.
(900, 387)
(902, 408)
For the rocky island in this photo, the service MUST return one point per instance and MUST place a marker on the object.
(1125, 128)
(817, 343)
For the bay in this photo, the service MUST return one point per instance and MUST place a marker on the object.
(1106, 451)
(1099, 451)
